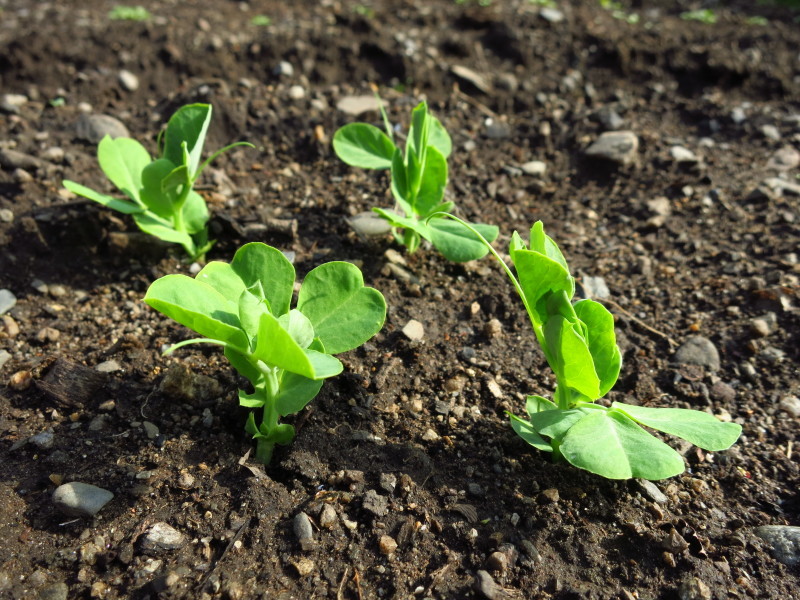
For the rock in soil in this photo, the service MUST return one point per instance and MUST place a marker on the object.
(78, 499)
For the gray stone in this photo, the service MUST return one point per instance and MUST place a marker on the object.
(6, 215)
(784, 541)
(327, 518)
(595, 287)
(682, 155)
(78, 499)
(694, 588)
(738, 115)
(414, 330)
(488, 587)
(11, 103)
(609, 119)
(284, 69)
(357, 105)
(150, 430)
(468, 75)
(790, 404)
(770, 132)
(375, 503)
(784, 159)
(161, 537)
(368, 224)
(128, 80)
(660, 206)
(698, 350)
(7, 301)
(43, 440)
(551, 15)
(15, 160)
(56, 591)
(783, 187)
(651, 491)
(497, 130)
(93, 128)
(615, 146)
(302, 529)
(108, 366)
(534, 167)
(297, 92)
(54, 154)
(5, 356)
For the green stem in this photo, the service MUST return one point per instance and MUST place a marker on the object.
(269, 419)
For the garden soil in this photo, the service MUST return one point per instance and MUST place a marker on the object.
(405, 479)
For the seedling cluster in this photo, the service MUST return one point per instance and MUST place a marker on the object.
(286, 353)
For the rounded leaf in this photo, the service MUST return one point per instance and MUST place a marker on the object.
(363, 145)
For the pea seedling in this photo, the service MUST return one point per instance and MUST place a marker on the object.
(285, 353)
(419, 178)
(580, 346)
(160, 195)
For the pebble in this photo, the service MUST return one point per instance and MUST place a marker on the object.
(770, 132)
(681, 154)
(108, 366)
(128, 80)
(54, 154)
(5, 356)
(487, 586)
(694, 588)
(388, 482)
(497, 130)
(551, 15)
(472, 77)
(393, 256)
(493, 329)
(22, 176)
(284, 69)
(297, 92)
(93, 128)
(609, 119)
(660, 206)
(595, 287)
(497, 561)
(651, 491)
(305, 566)
(13, 159)
(783, 186)
(47, 335)
(327, 517)
(615, 146)
(763, 326)
(11, 103)
(7, 301)
(738, 116)
(150, 430)
(375, 503)
(43, 440)
(21, 380)
(6, 215)
(784, 541)
(784, 159)
(698, 350)
(791, 405)
(535, 168)
(56, 591)
(303, 530)
(722, 392)
(414, 330)
(430, 435)
(387, 545)
(161, 537)
(357, 105)
(78, 499)
(368, 224)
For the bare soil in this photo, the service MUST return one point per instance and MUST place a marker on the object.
(411, 445)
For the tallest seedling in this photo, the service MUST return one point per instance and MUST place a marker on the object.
(580, 346)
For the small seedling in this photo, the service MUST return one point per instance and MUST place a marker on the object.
(129, 13)
(419, 178)
(704, 15)
(261, 21)
(160, 195)
(284, 353)
(580, 346)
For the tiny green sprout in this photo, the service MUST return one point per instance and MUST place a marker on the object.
(57, 102)
(757, 20)
(580, 346)
(261, 21)
(704, 15)
(285, 353)
(159, 192)
(418, 181)
(129, 13)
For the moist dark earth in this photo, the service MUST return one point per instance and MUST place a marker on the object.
(405, 466)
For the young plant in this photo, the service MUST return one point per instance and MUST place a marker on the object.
(159, 192)
(580, 346)
(419, 178)
(285, 353)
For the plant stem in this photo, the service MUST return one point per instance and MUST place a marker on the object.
(269, 419)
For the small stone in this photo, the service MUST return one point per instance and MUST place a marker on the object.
(6, 215)
(304, 566)
(493, 329)
(7, 301)
(161, 537)
(388, 482)
(722, 392)
(771, 132)
(327, 517)
(93, 128)
(56, 591)
(609, 119)
(5, 356)
(43, 440)
(40, 286)
(784, 541)
(497, 561)
(651, 491)
(47, 335)
(368, 224)
(682, 155)
(694, 588)
(784, 159)
(11, 103)
(487, 586)
(186, 480)
(375, 503)
(535, 168)
(387, 545)
(414, 330)
(497, 130)
(760, 327)
(22, 176)
(54, 154)
(57, 290)
(595, 287)
(475, 489)
(128, 80)
(548, 496)
(698, 350)
(393, 256)
(791, 405)
(108, 366)
(660, 206)
(357, 105)
(284, 69)
(99, 423)
(615, 146)
(430, 435)
(297, 92)
(150, 430)
(21, 380)
(303, 530)
(551, 15)
(773, 354)
(78, 499)
(738, 115)
(472, 77)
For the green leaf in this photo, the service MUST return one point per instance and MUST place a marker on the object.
(418, 132)
(243, 365)
(268, 268)
(537, 404)
(457, 243)
(399, 185)
(295, 392)
(153, 225)
(254, 400)
(602, 342)
(298, 326)
(439, 138)
(123, 206)
(570, 358)
(555, 423)
(188, 125)
(344, 312)
(123, 160)
(526, 431)
(197, 306)
(432, 184)
(324, 364)
(610, 444)
(154, 195)
(251, 308)
(195, 213)
(538, 276)
(699, 428)
(544, 244)
(516, 243)
(364, 146)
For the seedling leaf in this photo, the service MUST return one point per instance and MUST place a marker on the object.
(364, 146)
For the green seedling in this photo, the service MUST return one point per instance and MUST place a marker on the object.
(159, 192)
(419, 178)
(284, 353)
(261, 21)
(580, 346)
(703, 15)
(129, 13)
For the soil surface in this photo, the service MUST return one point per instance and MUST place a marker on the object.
(405, 466)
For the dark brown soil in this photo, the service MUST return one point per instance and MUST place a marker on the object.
(411, 442)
